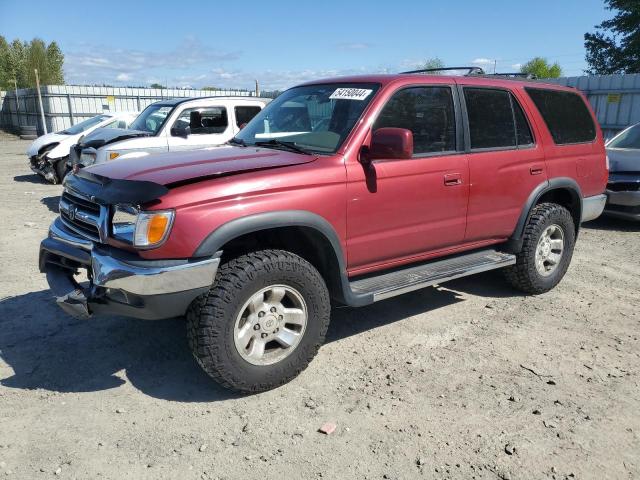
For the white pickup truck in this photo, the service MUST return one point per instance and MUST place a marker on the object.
(169, 125)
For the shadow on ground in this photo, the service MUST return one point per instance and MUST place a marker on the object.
(30, 178)
(51, 203)
(49, 350)
(610, 223)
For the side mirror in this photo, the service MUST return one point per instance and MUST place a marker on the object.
(180, 132)
(390, 144)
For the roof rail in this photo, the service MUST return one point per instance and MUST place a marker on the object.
(470, 70)
(528, 76)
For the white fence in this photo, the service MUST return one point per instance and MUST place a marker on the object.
(66, 105)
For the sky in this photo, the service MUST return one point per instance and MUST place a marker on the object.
(282, 43)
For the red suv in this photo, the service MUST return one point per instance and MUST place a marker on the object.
(347, 190)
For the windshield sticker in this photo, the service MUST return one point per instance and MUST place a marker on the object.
(350, 94)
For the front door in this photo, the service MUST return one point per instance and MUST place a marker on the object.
(204, 127)
(398, 209)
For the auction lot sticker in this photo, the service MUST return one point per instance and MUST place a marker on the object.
(350, 94)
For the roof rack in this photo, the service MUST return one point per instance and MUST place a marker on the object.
(470, 70)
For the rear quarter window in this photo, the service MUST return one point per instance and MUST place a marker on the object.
(565, 114)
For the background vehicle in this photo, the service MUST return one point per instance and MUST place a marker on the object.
(350, 190)
(48, 153)
(171, 125)
(623, 189)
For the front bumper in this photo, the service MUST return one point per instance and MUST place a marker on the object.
(120, 282)
(624, 204)
(44, 167)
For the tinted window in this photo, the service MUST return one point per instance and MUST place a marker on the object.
(565, 114)
(428, 112)
(522, 126)
(244, 114)
(203, 120)
(490, 116)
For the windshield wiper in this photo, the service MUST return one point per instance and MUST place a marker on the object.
(279, 143)
(237, 141)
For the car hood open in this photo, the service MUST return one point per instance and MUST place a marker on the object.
(178, 168)
(623, 160)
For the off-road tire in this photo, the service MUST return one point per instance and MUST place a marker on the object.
(523, 275)
(211, 318)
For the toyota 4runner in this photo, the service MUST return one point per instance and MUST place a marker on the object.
(345, 191)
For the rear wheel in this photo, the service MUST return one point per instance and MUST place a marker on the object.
(262, 322)
(547, 249)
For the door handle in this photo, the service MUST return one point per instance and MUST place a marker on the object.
(452, 179)
(536, 170)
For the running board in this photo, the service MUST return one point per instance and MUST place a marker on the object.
(413, 278)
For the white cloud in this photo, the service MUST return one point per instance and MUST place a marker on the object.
(123, 77)
(516, 66)
(482, 61)
(353, 45)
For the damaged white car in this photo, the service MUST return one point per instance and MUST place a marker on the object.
(49, 153)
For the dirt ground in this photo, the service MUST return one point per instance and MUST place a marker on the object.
(468, 380)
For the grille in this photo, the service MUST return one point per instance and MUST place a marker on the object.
(624, 186)
(82, 215)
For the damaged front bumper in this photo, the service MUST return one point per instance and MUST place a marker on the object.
(46, 167)
(120, 282)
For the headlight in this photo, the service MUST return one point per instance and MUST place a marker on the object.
(141, 229)
(87, 159)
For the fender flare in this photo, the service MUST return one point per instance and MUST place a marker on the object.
(215, 241)
(566, 183)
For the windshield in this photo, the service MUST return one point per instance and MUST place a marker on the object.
(630, 138)
(151, 118)
(84, 126)
(317, 118)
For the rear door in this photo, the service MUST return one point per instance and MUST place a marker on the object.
(506, 163)
(398, 209)
(206, 127)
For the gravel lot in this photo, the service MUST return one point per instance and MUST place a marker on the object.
(468, 380)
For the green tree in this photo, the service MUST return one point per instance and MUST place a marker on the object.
(431, 63)
(210, 88)
(156, 85)
(615, 45)
(55, 62)
(18, 60)
(541, 68)
(6, 77)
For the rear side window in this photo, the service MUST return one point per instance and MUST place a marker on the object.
(496, 120)
(428, 112)
(245, 113)
(203, 120)
(565, 114)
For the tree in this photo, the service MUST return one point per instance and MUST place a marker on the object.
(615, 45)
(432, 63)
(210, 88)
(541, 68)
(18, 60)
(157, 85)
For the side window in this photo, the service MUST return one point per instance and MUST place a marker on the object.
(523, 131)
(204, 120)
(245, 113)
(566, 115)
(428, 112)
(490, 116)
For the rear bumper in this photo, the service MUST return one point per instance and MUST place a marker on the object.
(625, 204)
(119, 282)
(592, 207)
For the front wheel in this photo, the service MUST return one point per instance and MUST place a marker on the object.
(549, 238)
(262, 321)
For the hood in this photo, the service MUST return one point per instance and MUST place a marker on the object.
(48, 139)
(177, 168)
(103, 136)
(623, 160)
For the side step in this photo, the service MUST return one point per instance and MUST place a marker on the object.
(412, 278)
